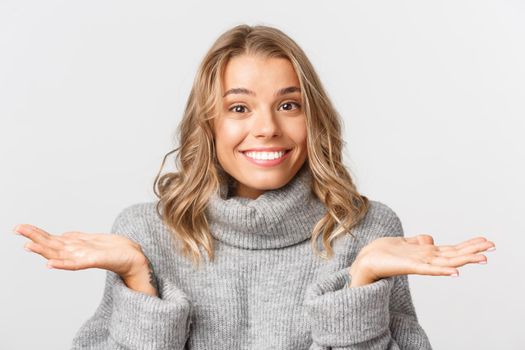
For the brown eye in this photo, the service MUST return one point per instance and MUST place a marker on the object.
(289, 104)
(237, 108)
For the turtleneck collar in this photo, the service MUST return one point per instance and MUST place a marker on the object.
(276, 219)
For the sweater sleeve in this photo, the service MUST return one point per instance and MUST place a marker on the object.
(379, 315)
(128, 319)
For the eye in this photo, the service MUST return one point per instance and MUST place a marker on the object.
(237, 108)
(291, 103)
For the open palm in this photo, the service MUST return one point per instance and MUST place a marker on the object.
(77, 250)
(391, 256)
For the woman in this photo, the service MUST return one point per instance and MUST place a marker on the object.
(260, 187)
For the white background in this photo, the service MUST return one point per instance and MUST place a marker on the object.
(432, 95)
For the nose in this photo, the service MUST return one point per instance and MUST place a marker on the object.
(265, 125)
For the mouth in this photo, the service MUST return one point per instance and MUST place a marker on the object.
(266, 158)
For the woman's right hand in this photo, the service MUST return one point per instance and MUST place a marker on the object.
(77, 250)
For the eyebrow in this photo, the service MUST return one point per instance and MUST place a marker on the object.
(283, 91)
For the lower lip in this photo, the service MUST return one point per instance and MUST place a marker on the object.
(267, 162)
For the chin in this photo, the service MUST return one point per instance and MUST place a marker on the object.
(266, 181)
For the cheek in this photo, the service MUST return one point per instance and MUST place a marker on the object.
(297, 132)
(228, 135)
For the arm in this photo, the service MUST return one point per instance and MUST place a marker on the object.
(143, 280)
(127, 319)
(133, 319)
(377, 315)
(349, 318)
(404, 324)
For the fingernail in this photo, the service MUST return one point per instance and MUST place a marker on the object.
(491, 249)
(49, 265)
(482, 262)
(454, 275)
(27, 249)
(15, 230)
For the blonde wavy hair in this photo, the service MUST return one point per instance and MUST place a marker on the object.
(183, 195)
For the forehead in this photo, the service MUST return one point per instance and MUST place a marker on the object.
(258, 73)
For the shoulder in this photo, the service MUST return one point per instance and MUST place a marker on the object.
(380, 221)
(141, 210)
(134, 221)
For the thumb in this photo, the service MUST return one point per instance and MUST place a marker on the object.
(420, 239)
(425, 239)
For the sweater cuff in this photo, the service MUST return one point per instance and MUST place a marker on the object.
(155, 322)
(341, 316)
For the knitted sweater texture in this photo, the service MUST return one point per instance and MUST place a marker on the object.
(266, 289)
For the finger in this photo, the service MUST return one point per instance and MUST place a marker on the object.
(463, 244)
(46, 252)
(50, 243)
(64, 264)
(32, 232)
(470, 249)
(434, 270)
(460, 260)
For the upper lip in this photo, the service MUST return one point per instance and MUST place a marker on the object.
(265, 149)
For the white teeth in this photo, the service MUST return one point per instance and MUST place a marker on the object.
(265, 155)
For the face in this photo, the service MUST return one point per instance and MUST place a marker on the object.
(260, 133)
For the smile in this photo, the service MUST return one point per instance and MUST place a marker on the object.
(266, 159)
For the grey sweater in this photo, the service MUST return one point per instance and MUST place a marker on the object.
(266, 288)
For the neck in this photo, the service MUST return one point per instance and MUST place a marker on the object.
(275, 219)
(247, 192)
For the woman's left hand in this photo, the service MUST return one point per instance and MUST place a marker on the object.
(392, 256)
